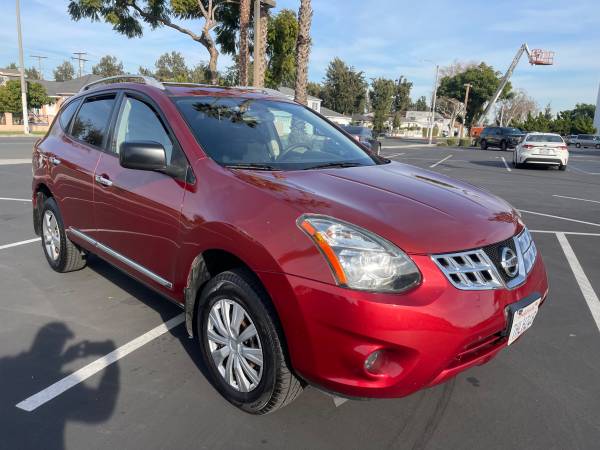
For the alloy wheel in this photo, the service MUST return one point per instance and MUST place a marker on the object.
(234, 345)
(51, 235)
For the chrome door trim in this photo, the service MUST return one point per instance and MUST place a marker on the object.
(141, 269)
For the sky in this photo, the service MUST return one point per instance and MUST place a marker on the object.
(382, 38)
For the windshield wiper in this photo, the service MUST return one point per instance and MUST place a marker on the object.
(251, 166)
(334, 164)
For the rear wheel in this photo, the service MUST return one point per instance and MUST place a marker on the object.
(483, 144)
(61, 253)
(597, 146)
(578, 145)
(503, 145)
(562, 167)
(242, 346)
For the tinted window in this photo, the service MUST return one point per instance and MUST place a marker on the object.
(511, 131)
(91, 122)
(67, 114)
(544, 138)
(139, 122)
(273, 134)
(358, 131)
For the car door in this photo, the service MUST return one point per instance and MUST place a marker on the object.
(137, 211)
(74, 155)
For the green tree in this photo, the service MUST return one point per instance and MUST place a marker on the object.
(64, 72)
(33, 74)
(314, 89)
(402, 94)
(200, 73)
(397, 121)
(484, 81)
(108, 66)
(344, 88)
(128, 17)
(382, 99)
(10, 96)
(281, 49)
(420, 104)
(171, 67)
(12, 66)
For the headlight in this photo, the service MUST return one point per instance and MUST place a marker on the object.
(358, 258)
(528, 249)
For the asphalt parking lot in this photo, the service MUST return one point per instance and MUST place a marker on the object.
(541, 393)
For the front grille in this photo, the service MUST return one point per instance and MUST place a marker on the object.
(470, 270)
(481, 269)
(494, 252)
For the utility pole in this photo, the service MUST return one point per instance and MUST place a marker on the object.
(433, 101)
(22, 73)
(462, 128)
(81, 60)
(39, 58)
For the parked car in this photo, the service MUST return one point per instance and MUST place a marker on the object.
(587, 140)
(297, 256)
(365, 136)
(501, 137)
(548, 149)
(570, 139)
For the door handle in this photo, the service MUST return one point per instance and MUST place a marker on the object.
(103, 181)
(55, 161)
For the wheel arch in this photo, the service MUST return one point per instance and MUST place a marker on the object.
(41, 193)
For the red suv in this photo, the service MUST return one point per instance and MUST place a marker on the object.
(297, 254)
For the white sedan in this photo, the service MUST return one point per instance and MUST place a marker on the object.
(547, 149)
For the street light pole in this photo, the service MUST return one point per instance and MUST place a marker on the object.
(22, 73)
(435, 87)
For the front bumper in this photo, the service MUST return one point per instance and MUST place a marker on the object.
(428, 334)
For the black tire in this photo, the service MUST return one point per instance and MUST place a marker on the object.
(70, 257)
(578, 145)
(562, 167)
(277, 386)
(483, 144)
(503, 146)
(597, 146)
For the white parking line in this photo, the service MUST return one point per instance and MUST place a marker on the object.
(584, 283)
(574, 233)
(394, 155)
(54, 390)
(560, 217)
(8, 162)
(441, 161)
(16, 244)
(506, 164)
(15, 199)
(576, 198)
(583, 171)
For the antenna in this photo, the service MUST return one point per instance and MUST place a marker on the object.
(39, 58)
(81, 60)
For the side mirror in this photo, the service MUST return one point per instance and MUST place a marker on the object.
(143, 155)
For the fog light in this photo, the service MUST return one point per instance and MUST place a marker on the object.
(374, 361)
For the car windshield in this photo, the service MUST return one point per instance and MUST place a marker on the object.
(358, 131)
(268, 135)
(544, 138)
(512, 131)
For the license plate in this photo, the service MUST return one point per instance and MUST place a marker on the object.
(546, 151)
(522, 319)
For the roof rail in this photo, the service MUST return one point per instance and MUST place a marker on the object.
(126, 77)
(184, 83)
(268, 91)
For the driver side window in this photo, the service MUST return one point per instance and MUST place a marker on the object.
(139, 122)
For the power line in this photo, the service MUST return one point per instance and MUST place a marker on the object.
(39, 58)
(81, 60)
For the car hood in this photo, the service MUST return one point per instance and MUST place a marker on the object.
(418, 210)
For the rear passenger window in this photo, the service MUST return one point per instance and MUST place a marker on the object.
(91, 123)
(67, 114)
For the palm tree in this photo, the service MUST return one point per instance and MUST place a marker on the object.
(303, 50)
(244, 53)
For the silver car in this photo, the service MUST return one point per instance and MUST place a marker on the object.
(587, 140)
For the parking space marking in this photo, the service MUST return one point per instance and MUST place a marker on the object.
(61, 386)
(584, 283)
(441, 161)
(395, 155)
(560, 217)
(574, 233)
(506, 164)
(576, 198)
(7, 162)
(16, 199)
(583, 171)
(16, 244)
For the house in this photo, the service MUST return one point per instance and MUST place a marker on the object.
(415, 121)
(363, 120)
(60, 91)
(336, 117)
(8, 74)
(313, 102)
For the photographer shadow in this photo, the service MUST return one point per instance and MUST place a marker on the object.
(32, 371)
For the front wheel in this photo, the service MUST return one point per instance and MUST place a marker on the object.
(578, 145)
(61, 253)
(483, 144)
(597, 146)
(242, 346)
(503, 146)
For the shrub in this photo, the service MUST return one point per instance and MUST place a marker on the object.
(451, 141)
(465, 142)
(442, 143)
